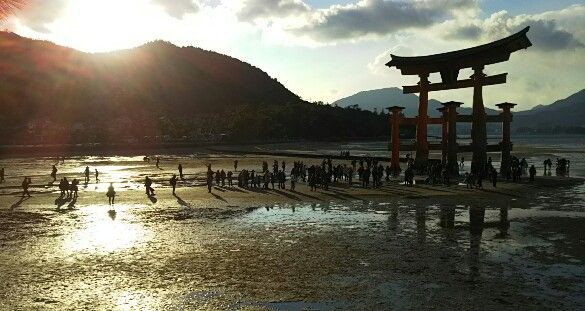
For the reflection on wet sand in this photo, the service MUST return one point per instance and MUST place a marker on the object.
(352, 255)
(105, 232)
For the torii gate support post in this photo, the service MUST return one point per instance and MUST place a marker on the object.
(422, 145)
(506, 136)
(445, 133)
(452, 160)
(395, 118)
(478, 127)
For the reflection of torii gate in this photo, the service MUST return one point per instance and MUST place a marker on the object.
(448, 65)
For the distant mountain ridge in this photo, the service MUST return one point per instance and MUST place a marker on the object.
(568, 112)
(380, 99)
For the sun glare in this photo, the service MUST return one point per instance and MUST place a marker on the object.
(106, 25)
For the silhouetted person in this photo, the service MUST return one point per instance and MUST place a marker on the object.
(86, 173)
(111, 194)
(480, 176)
(97, 176)
(293, 182)
(494, 178)
(54, 173)
(173, 182)
(157, 161)
(462, 164)
(25, 185)
(468, 181)
(1, 175)
(229, 178)
(148, 186)
(209, 179)
(74, 187)
(181, 171)
(532, 172)
(235, 165)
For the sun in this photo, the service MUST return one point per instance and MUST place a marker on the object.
(106, 25)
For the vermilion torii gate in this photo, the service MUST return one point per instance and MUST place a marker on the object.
(449, 145)
(448, 65)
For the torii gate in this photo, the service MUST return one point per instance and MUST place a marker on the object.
(448, 65)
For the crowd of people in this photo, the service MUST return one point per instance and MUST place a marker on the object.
(369, 172)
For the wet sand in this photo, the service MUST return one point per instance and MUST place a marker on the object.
(347, 248)
(128, 173)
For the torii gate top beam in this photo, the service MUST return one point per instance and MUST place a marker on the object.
(449, 64)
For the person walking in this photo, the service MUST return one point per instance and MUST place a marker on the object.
(25, 185)
(148, 186)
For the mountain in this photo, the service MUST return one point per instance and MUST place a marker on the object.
(39, 79)
(565, 113)
(380, 99)
(55, 95)
(568, 112)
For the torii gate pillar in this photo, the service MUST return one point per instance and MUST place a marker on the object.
(395, 118)
(422, 145)
(506, 133)
(452, 149)
(478, 128)
(444, 133)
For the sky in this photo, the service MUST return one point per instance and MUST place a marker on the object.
(324, 50)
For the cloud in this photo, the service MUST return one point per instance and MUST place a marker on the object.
(365, 18)
(253, 10)
(379, 18)
(377, 66)
(546, 34)
(37, 14)
(178, 8)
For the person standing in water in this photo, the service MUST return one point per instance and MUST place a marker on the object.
(157, 161)
(111, 194)
(2, 175)
(54, 173)
(235, 165)
(173, 183)
(181, 171)
(97, 176)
